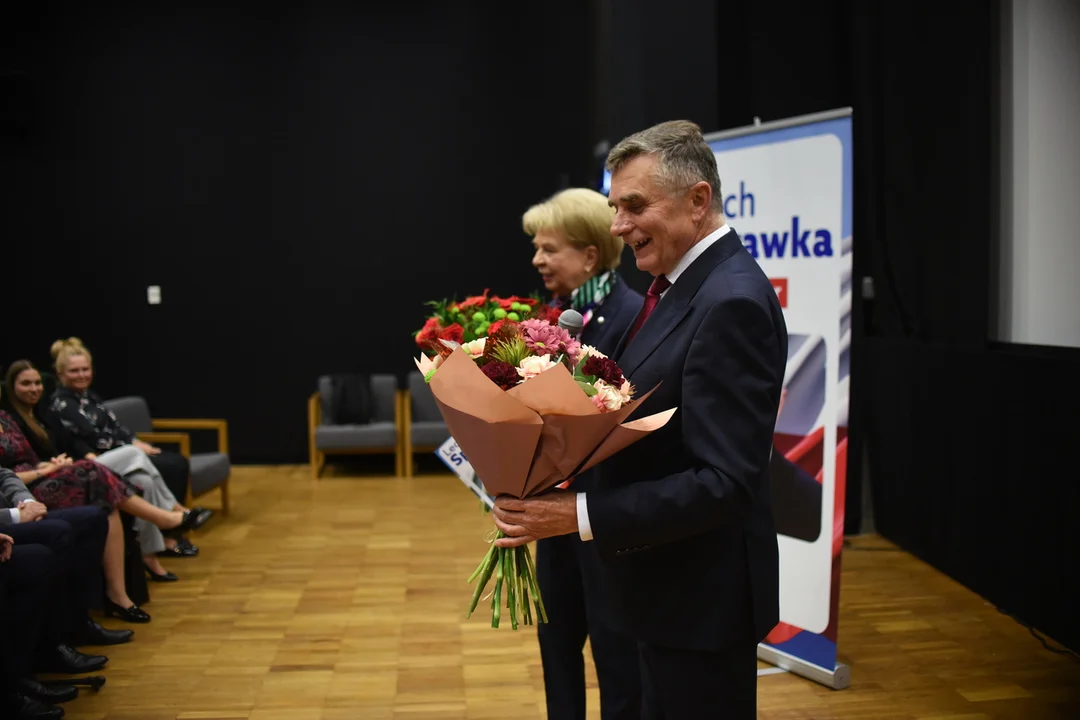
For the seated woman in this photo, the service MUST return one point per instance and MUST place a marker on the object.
(85, 416)
(49, 438)
(62, 483)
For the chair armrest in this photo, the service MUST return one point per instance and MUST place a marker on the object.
(218, 424)
(179, 438)
(314, 409)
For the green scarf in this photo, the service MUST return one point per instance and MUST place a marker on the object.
(592, 292)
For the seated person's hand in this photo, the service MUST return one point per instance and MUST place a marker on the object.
(5, 547)
(147, 448)
(61, 460)
(91, 456)
(31, 510)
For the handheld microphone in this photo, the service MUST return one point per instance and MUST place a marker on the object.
(571, 321)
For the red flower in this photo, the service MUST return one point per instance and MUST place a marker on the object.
(473, 301)
(548, 314)
(604, 369)
(494, 327)
(502, 374)
(428, 334)
(454, 333)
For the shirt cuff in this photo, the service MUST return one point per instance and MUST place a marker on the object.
(584, 528)
(14, 515)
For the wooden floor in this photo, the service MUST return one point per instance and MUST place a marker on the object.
(343, 599)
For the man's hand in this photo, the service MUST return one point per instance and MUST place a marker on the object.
(5, 548)
(523, 521)
(147, 448)
(31, 511)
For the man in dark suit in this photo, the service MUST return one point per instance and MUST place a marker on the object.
(76, 539)
(683, 518)
(27, 576)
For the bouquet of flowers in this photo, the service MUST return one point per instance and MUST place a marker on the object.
(531, 408)
(476, 317)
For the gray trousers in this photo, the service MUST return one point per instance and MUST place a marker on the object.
(135, 466)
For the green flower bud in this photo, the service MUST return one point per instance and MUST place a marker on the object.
(513, 317)
(479, 317)
(499, 313)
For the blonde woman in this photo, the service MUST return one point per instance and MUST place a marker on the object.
(577, 256)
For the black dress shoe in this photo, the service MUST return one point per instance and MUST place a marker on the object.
(93, 634)
(27, 708)
(66, 660)
(133, 614)
(53, 695)
(165, 577)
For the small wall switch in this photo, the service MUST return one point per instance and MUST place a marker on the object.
(153, 294)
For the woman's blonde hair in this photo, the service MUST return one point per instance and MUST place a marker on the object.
(584, 217)
(63, 350)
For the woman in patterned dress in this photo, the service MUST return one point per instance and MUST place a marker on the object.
(49, 437)
(62, 482)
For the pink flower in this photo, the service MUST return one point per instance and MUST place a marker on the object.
(534, 365)
(607, 398)
(543, 338)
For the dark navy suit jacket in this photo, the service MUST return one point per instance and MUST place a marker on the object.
(683, 518)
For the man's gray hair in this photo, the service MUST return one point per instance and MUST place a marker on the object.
(683, 158)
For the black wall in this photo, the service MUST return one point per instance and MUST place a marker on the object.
(297, 182)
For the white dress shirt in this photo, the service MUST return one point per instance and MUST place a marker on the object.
(584, 528)
(15, 517)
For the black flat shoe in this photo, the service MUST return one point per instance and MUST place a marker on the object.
(133, 614)
(182, 549)
(93, 634)
(166, 577)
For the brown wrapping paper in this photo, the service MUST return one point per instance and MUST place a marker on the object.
(532, 437)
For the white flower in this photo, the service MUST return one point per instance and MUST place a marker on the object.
(589, 349)
(475, 348)
(534, 365)
(626, 391)
(607, 398)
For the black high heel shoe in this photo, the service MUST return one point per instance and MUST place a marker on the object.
(133, 614)
(193, 520)
(167, 577)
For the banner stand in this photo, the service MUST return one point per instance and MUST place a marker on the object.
(838, 679)
(787, 189)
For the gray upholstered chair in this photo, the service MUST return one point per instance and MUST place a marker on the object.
(381, 435)
(209, 471)
(425, 429)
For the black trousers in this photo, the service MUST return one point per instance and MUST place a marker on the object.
(175, 471)
(27, 582)
(76, 537)
(568, 571)
(692, 685)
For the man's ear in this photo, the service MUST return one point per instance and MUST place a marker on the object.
(701, 199)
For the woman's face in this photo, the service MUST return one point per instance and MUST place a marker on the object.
(562, 266)
(78, 374)
(28, 387)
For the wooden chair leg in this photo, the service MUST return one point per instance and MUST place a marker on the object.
(225, 497)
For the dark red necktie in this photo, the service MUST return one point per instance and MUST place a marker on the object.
(659, 285)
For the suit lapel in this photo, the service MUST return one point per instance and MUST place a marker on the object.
(674, 305)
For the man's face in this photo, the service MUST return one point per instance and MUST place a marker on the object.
(657, 227)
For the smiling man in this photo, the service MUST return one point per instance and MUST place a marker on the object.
(683, 518)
